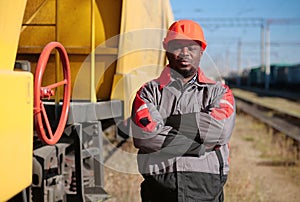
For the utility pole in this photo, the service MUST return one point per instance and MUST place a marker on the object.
(268, 44)
(262, 50)
(227, 70)
(239, 63)
(267, 70)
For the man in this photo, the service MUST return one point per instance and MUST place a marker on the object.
(182, 123)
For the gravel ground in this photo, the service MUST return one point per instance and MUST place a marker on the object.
(261, 169)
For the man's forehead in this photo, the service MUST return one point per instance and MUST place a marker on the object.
(183, 41)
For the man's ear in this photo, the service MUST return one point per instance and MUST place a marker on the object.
(168, 54)
(201, 53)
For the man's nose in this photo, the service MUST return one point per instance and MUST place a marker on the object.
(184, 50)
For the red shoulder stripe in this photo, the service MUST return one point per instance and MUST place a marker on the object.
(226, 107)
(142, 116)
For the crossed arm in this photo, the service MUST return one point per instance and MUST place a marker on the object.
(187, 134)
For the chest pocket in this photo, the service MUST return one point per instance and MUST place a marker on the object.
(174, 101)
(211, 97)
(189, 103)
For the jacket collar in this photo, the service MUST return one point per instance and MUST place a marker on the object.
(165, 77)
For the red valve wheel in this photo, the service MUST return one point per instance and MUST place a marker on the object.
(40, 92)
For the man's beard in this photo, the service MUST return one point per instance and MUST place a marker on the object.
(186, 73)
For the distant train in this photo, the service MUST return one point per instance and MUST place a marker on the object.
(282, 76)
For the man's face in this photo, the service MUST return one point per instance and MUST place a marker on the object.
(184, 56)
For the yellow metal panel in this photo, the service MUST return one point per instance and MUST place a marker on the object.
(74, 22)
(75, 32)
(16, 132)
(141, 56)
(69, 22)
(104, 78)
(40, 12)
(36, 36)
(104, 73)
(142, 30)
(11, 15)
(110, 14)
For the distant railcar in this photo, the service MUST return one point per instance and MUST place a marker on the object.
(244, 77)
(257, 77)
(282, 76)
(285, 76)
(293, 75)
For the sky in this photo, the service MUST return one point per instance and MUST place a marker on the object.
(232, 48)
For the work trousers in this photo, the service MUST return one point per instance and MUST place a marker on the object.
(152, 192)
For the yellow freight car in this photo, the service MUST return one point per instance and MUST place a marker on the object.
(113, 47)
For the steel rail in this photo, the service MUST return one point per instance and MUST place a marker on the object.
(278, 121)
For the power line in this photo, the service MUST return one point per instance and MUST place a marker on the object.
(282, 21)
(252, 43)
(243, 22)
(229, 22)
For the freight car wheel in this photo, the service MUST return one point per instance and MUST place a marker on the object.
(40, 92)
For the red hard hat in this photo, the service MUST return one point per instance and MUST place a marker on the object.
(186, 30)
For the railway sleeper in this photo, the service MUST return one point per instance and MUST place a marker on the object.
(277, 125)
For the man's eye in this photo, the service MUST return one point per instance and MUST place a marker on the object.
(192, 48)
(174, 48)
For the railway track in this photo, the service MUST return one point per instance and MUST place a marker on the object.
(280, 121)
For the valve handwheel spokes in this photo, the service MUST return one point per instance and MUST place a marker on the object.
(40, 92)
